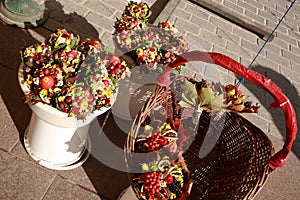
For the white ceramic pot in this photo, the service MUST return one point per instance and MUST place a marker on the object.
(55, 140)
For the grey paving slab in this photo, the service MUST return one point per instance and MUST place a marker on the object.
(8, 132)
(78, 176)
(20, 152)
(284, 182)
(21, 180)
(62, 189)
(103, 174)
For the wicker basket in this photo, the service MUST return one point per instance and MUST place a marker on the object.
(238, 165)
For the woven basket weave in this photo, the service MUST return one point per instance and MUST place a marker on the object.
(237, 166)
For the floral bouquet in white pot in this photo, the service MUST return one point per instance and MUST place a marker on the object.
(73, 76)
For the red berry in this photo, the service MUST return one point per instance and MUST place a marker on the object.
(107, 101)
(114, 71)
(169, 179)
(152, 49)
(47, 82)
(90, 98)
(114, 59)
(165, 24)
(62, 105)
(68, 100)
(119, 66)
(35, 56)
(95, 43)
(136, 22)
(46, 71)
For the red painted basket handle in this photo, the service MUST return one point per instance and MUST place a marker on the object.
(281, 100)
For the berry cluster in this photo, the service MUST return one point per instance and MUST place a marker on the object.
(155, 142)
(166, 181)
(126, 23)
(152, 183)
(139, 11)
(116, 67)
(37, 56)
(134, 16)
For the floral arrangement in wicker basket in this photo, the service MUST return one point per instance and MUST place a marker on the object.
(144, 43)
(190, 142)
(76, 77)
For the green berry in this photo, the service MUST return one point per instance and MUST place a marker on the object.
(145, 167)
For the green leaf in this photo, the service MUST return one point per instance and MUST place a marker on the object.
(206, 97)
(75, 41)
(29, 64)
(189, 96)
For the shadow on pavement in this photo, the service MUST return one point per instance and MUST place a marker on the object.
(106, 164)
(277, 116)
(72, 22)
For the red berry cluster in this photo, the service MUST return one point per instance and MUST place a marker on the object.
(126, 23)
(167, 25)
(37, 56)
(155, 142)
(89, 44)
(147, 55)
(152, 182)
(116, 68)
(139, 11)
(134, 15)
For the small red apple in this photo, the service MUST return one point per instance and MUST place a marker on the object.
(72, 54)
(142, 58)
(47, 82)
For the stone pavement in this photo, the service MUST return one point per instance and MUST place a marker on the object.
(22, 179)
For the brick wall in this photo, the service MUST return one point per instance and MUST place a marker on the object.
(279, 60)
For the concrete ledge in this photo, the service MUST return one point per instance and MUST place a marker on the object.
(162, 10)
(240, 20)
